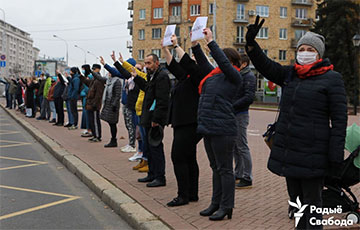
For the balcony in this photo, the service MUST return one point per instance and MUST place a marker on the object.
(239, 41)
(302, 2)
(305, 22)
(129, 44)
(174, 19)
(241, 19)
(130, 25)
(294, 42)
(174, 1)
(131, 5)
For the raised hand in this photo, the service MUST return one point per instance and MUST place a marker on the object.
(113, 56)
(208, 35)
(121, 59)
(253, 30)
(102, 60)
(194, 43)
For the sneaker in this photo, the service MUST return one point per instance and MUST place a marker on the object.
(136, 157)
(73, 127)
(67, 125)
(40, 118)
(243, 184)
(86, 134)
(129, 149)
(52, 121)
(144, 169)
(124, 147)
(95, 139)
(141, 164)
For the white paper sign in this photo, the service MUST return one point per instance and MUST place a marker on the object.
(198, 27)
(170, 30)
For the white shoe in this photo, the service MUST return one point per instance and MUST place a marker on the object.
(124, 147)
(137, 156)
(129, 149)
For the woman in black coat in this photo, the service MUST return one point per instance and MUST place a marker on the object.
(31, 84)
(311, 128)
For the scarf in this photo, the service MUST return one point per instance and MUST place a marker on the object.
(214, 72)
(317, 68)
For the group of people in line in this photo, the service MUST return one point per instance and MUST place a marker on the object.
(211, 103)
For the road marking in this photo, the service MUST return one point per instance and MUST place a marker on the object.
(4, 124)
(8, 132)
(68, 199)
(13, 143)
(34, 163)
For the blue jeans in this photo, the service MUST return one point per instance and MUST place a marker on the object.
(53, 109)
(70, 117)
(136, 121)
(85, 124)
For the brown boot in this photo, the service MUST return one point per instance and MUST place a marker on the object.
(144, 169)
(141, 164)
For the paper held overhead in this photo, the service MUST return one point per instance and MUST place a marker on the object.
(198, 27)
(170, 30)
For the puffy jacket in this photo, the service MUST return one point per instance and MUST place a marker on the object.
(50, 96)
(74, 85)
(246, 92)
(216, 113)
(47, 87)
(305, 143)
(95, 93)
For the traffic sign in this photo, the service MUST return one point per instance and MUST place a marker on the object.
(2, 63)
(3, 57)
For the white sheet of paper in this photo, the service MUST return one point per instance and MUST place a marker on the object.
(198, 27)
(170, 30)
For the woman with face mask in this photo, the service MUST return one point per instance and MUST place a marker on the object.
(310, 131)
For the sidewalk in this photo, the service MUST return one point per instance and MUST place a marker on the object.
(262, 207)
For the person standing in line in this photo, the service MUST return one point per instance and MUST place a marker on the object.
(45, 107)
(311, 128)
(58, 100)
(31, 84)
(84, 90)
(50, 98)
(244, 98)
(65, 97)
(73, 95)
(12, 91)
(40, 92)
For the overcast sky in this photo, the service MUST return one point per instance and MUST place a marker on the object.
(44, 18)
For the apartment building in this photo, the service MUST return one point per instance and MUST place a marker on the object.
(18, 48)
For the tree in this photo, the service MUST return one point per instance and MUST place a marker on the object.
(338, 23)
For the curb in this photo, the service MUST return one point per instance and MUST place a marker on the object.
(131, 211)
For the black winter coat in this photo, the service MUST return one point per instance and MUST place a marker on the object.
(311, 128)
(59, 87)
(216, 113)
(158, 88)
(246, 92)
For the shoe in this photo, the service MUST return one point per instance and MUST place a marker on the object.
(73, 127)
(40, 118)
(59, 124)
(243, 184)
(86, 134)
(137, 156)
(178, 201)
(111, 144)
(95, 139)
(193, 198)
(52, 121)
(144, 169)
(145, 179)
(129, 149)
(210, 210)
(124, 147)
(141, 164)
(156, 183)
(221, 213)
(68, 125)
(55, 124)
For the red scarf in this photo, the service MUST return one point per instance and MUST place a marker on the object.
(214, 72)
(305, 71)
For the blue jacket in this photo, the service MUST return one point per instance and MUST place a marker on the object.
(73, 91)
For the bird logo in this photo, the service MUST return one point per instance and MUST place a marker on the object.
(301, 209)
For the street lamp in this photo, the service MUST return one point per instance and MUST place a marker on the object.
(67, 48)
(92, 54)
(83, 51)
(356, 43)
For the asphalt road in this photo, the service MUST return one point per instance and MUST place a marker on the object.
(38, 192)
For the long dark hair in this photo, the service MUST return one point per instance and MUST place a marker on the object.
(86, 67)
(233, 56)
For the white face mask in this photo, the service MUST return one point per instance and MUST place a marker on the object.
(306, 57)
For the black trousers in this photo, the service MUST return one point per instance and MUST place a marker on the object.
(183, 156)
(113, 130)
(94, 122)
(156, 159)
(74, 111)
(219, 150)
(59, 106)
(310, 192)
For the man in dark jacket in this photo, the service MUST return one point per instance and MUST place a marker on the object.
(59, 102)
(244, 98)
(93, 102)
(73, 95)
(40, 92)
(154, 116)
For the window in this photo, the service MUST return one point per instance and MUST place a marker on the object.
(157, 52)
(158, 12)
(265, 51)
(299, 34)
(176, 11)
(262, 11)
(263, 33)
(240, 34)
(141, 55)
(282, 55)
(177, 32)
(283, 12)
(156, 33)
(211, 8)
(141, 34)
(283, 34)
(142, 14)
(194, 10)
(301, 13)
(240, 12)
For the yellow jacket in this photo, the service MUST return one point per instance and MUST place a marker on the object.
(140, 99)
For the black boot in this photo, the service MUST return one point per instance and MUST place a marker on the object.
(221, 213)
(210, 210)
(112, 143)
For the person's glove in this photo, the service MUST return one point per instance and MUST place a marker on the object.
(114, 109)
(253, 30)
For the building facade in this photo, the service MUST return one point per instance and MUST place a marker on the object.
(18, 48)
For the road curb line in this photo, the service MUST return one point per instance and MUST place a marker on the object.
(132, 212)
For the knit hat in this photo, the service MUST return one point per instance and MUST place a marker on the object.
(131, 61)
(315, 40)
(96, 66)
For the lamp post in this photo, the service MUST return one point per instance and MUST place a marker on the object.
(356, 43)
(92, 55)
(3, 51)
(83, 51)
(67, 48)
